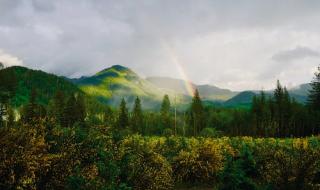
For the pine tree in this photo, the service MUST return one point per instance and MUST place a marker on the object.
(30, 111)
(314, 92)
(123, 118)
(80, 109)
(197, 120)
(314, 102)
(58, 106)
(278, 96)
(165, 112)
(8, 85)
(69, 116)
(137, 117)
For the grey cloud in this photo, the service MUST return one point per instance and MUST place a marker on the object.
(80, 37)
(295, 54)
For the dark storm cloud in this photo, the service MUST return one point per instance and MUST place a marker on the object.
(214, 38)
(295, 54)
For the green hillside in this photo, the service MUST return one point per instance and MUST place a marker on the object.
(45, 84)
(112, 84)
(243, 99)
(207, 92)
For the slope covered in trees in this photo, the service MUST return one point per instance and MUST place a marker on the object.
(117, 82)
(27, 80)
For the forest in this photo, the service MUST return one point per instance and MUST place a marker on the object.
(73, 141)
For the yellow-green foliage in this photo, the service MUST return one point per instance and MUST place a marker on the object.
(280, 162)
(87, 158)
(200, 164)
(143, 167)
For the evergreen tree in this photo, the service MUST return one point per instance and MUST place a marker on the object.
(137, 117)
(314, 93)
(30, 111)
(123, 118)
(69, 116)
(58, 106)
(80, 109)
(165, 112)
(197, 120)
(278, 96)
(8, 85)
(314, 103)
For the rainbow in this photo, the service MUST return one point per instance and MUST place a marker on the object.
(176, 61)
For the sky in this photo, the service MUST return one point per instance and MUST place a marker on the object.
(239, 45)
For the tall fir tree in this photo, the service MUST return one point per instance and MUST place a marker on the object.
(80, 111)
(29, 114)
(137, 117)
(8, 86)
(314, 103)
(278, 100)
(165, 113)
(69, 116)
(197, 117)
(58, 106)
(123, 118)
(314, 92)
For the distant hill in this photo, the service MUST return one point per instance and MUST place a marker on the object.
(243, 99)
(44, 83)
(301, 90)
(207, 92)
(112, 84)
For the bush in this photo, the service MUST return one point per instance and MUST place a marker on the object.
(238, 173)
(199, 165)
(145, 169)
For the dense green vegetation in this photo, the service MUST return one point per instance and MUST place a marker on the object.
(45, 84)
(66, 140)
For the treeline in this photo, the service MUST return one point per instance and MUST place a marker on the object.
(276, 115)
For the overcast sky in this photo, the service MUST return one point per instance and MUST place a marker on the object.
(246, 44)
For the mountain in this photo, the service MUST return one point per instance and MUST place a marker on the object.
(112, 84)
(207, 92)
(302, 90)
(44, 83)
(243, 99)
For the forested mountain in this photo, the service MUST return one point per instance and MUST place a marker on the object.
(45, 84)
(112, 84)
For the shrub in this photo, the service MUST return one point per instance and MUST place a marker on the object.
(143, 168)
(199, 165)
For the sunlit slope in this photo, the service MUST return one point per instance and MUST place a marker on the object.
(112, 84)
